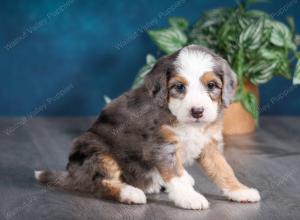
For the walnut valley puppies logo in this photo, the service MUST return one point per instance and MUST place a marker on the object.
(37, 110)
(50, 16)
(29, 201)
(149, 24)
(284, 8)
(60, 94)
(277, 99)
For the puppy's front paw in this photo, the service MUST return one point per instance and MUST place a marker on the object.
(243, 195)
(188, 178)
(132, 195)
(190, 200)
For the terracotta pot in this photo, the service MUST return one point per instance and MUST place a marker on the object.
(236, 119)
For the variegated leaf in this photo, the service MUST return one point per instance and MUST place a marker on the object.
(281, 36)
(168, 40)
(251, 37)
(139, 79)
(249, 102)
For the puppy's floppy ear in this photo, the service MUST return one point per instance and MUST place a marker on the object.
(157, 79)
(229, 82)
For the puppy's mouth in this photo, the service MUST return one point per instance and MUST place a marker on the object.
(198, 121)
(195, 120)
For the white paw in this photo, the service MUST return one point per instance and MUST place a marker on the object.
(187, 177)
(132, 195)
(243, 195)
(190, 200)
(37, 174)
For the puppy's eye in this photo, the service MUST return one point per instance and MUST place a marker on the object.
(211, 85)
(180, 88)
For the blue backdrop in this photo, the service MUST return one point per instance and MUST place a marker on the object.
(59, 57)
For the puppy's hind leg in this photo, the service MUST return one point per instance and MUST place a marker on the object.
(120, 191)
(110, 185)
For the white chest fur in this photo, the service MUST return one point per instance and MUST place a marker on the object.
(192, 139)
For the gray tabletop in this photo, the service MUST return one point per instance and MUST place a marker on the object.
(268, 160)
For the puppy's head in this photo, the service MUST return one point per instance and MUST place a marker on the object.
(194, 83)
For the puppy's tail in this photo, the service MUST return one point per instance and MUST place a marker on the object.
(54, 178)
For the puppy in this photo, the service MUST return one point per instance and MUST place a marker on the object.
(142, 140)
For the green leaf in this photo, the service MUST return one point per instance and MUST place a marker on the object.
(251, 37)
(261, 72)
(139, 79)
(296, 79)
(269, 54)
(249, 102)
(207, 31)
(278, 58)
(243, 22)
(281, 36)
(291, 23)
(283, 68)
(107, 99)
(272, 53)
(168, 40)
(150, 59)
(239, 92)
(179, 23)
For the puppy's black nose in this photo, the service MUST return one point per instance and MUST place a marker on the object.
(197, 112)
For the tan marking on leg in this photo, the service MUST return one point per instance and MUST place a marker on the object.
(217, 168)
(122, 192)
(179, 163)
(174, 170)
(167, 174)
(111, 188)
(168, 134)
(110, 167)
(179, 188)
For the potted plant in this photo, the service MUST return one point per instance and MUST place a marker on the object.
(256, 46)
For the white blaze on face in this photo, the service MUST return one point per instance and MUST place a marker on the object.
(191, 65)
